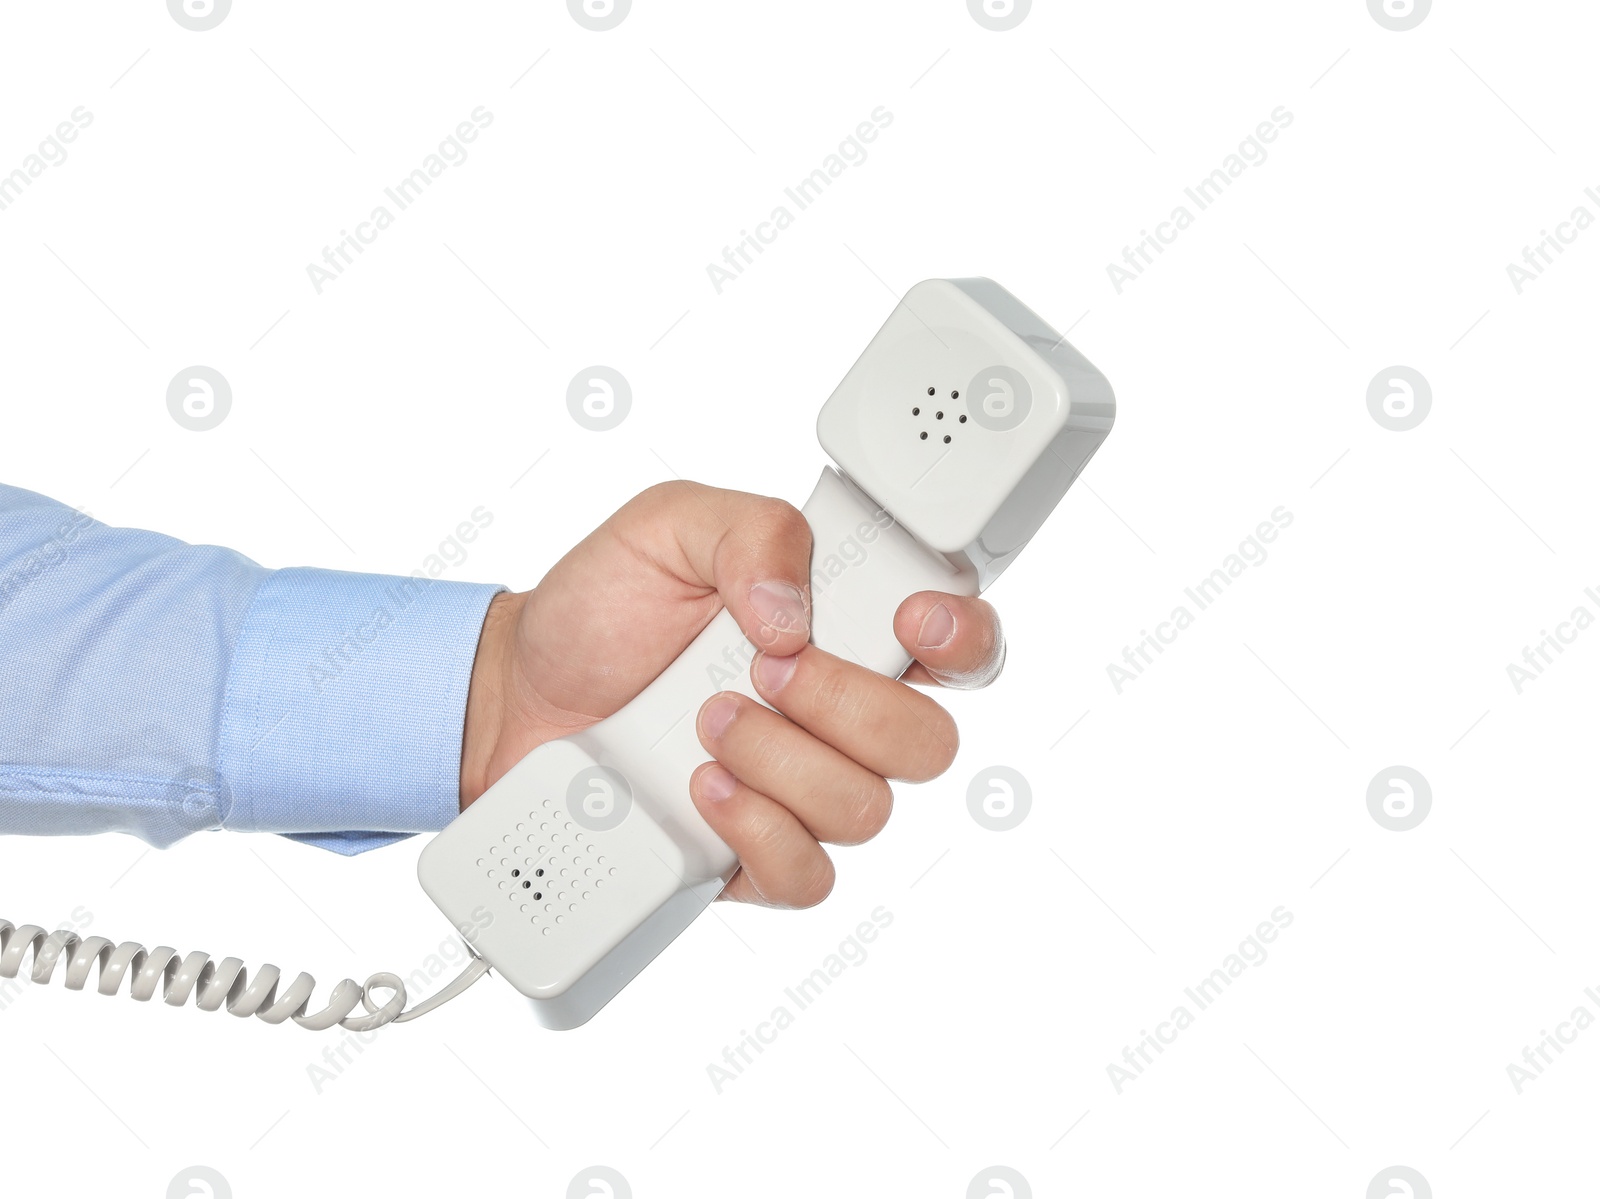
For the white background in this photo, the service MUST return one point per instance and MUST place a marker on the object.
(1229, 779)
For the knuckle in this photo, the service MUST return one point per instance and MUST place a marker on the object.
(867, 812)
(809, 889)
(660, 501)
(771, 755)
(780, 516)
(657, 495)
(761, 832)
(778, 523)
(833, 699)
(941, 741)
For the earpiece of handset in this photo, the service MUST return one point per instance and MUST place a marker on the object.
(956, 433)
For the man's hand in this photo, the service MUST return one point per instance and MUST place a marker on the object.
(632, 595)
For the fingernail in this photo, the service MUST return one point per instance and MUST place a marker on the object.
(717, 784)
(718, 716)
(782, 608)
(772, 673)
(938, 626)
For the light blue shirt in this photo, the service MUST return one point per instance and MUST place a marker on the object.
(156, 688)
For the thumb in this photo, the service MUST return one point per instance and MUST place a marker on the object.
(756, 551)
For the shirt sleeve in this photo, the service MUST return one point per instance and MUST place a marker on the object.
(159, 689)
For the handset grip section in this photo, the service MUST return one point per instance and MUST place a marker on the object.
(863, 564)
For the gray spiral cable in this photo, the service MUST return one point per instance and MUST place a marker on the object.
(215, 984)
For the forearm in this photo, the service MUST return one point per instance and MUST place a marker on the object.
(159, 688)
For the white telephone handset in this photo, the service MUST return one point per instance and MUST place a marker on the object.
(956, 433)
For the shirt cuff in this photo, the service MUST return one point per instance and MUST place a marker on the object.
(346, 698)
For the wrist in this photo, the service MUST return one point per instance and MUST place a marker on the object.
(487, 692)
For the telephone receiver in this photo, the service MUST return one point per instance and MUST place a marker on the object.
(953, 437)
